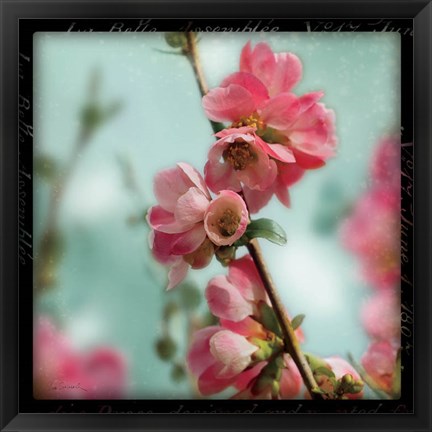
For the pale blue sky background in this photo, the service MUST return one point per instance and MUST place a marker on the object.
(105, 294)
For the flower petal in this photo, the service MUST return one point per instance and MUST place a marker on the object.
(228, 103)
(189, 241)
(191, 207)
(225, 300)
(281, 111)
(199, 357)
(177, 273)
(251, 83)
(233, 351)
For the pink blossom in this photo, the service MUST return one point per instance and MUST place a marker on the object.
(188, 225)
(294, 130)
(237, 158)
(60, 372)
(381, 316)
(218, 357)
(372, 232)
(379, 362)
(385, 164)
(241, 352)
(226, 218)
(236, 296)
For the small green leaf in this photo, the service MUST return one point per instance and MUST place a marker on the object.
(268, 319)
(297, 321)
(315, 362)
(268, 229)
(324, 371)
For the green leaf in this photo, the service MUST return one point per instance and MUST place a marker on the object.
(268, 229)
(297, 321)
(268, 319)
(315, 362)
(324, 371)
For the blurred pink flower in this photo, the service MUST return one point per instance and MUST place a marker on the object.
(381, 316)
(237, 158)
(379, 362)
(187, 224)
(294, 130)
(372, 232)
(385, 166)
(60, 372)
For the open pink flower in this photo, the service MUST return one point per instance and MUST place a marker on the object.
(187, 225)
(379, 362)
(226, 218)
(238, 158)
(381, 316)
(60, 372)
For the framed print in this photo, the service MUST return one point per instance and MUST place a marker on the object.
(215, 217)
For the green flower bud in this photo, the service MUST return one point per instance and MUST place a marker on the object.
(176, 39)
(225, 254)
(166, 348)
(178, 373)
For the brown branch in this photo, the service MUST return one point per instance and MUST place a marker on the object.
(292, 345)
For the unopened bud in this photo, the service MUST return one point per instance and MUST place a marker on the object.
(166, 348)
(176, 39)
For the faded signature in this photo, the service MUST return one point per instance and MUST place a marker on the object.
(61, 385)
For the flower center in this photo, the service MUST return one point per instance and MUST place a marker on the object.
(254, 120)
(239, 154)
(228, 223)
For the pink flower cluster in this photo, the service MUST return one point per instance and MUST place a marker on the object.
(60, 372)
(242, 351)
(373, 233)
(246, 349)
(273, 137)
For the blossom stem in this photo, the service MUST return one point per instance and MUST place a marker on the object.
(191, 52)
(292, 345)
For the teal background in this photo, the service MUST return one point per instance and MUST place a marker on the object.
(110, 291)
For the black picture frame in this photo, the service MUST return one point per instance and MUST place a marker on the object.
(19, 20)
